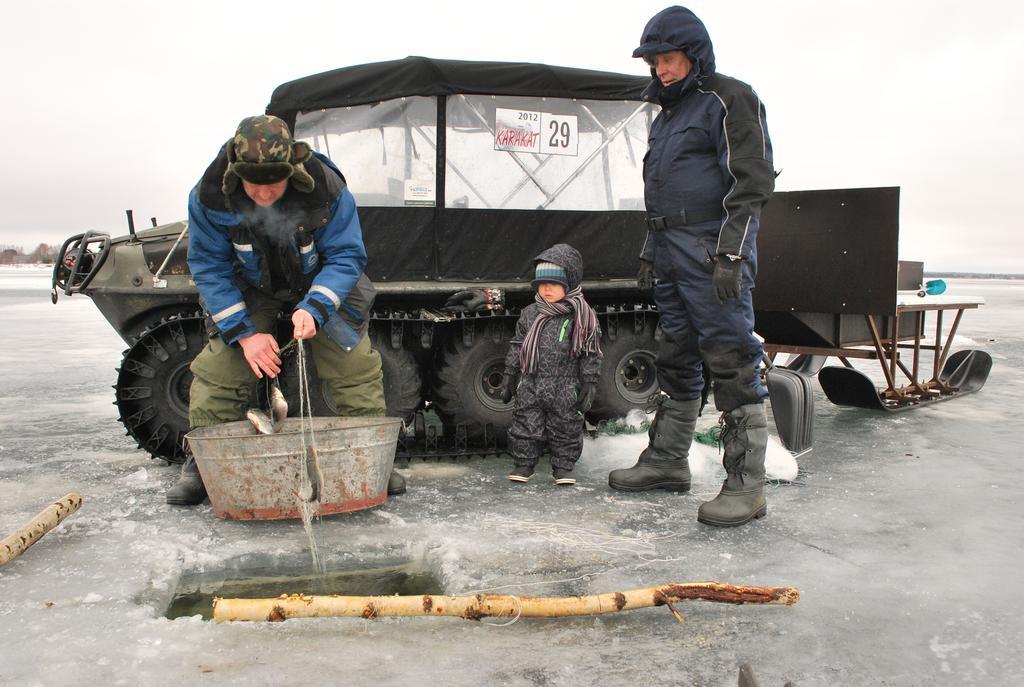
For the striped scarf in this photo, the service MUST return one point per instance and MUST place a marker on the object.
(584, 327)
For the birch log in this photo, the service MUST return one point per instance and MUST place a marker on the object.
(17, 543)
(480, 606)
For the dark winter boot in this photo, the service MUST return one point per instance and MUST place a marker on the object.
(663, 464)
(396, 484)
(563, 476)
(745, 439)
(521, 473)
(189, 489)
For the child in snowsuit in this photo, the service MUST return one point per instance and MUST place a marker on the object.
(552, 368)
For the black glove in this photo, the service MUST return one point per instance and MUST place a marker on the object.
(475, 300)
(727, 278)
(508, 386)
(645, 277)
(585, 398)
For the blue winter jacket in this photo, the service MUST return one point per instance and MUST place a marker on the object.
(307, 248)
(709, 151)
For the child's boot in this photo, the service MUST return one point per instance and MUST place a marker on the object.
(521, 473)
(563, 476)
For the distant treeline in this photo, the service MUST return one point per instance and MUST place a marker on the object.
(15, 255)
(972, 275)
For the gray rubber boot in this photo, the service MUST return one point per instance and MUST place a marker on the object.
(396, 484)
(745, 440)
(189, 489)
(663, 464)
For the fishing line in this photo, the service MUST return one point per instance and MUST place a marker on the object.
(518, 615)
(306, 417)
(305, 485)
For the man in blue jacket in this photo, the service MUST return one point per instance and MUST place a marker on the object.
(707, 174)
(273, 229)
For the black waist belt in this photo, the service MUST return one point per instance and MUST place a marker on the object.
(683, 218)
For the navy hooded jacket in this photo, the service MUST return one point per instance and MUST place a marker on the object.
(708, 147)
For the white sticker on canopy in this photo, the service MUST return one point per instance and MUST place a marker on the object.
(419, 192)
(516, 130)
(527, 131)
(559, 134)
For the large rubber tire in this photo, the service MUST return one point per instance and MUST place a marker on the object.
(319, 393)
(467, 387)
(628, 372)
(153, 384)
(402, 382)
(402, 385)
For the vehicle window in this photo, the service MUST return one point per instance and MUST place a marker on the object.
(385, 150)
(507, 152)
(503, 152)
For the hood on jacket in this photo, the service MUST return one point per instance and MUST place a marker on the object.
(566, 257)
(677, 28)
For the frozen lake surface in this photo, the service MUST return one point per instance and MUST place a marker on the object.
(904, 533)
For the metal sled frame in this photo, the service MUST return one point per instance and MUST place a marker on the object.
(964, 372)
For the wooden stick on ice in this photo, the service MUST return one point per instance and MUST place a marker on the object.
(17, 543)
(495, 605)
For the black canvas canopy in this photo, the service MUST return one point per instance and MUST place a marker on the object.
(428, 244)
(424, 76)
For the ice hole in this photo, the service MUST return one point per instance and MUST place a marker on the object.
(195, 591)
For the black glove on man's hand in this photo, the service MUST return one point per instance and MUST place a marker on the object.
(508, 386)
(585, 398)
(727, 278)
(469, 300)
(645, 277)
(475, 300)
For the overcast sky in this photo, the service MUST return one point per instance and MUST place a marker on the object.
(114, 105)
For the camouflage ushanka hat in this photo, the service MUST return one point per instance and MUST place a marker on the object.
(262, 152)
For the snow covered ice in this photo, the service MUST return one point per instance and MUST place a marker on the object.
(903, 532)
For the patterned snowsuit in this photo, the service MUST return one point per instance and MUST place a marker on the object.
(544, 412)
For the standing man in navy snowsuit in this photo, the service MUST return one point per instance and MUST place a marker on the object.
(707, 174)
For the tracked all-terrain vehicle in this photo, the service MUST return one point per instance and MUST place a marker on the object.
(463, 172)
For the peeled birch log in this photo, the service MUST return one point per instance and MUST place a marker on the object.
(17, 543)
(480, 606)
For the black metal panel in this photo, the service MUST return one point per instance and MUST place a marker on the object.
(825, 330)
(910, 275)
(796, 329)
(829, 251)
(499, 245)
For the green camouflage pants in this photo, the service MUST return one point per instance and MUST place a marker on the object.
(223, 385)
